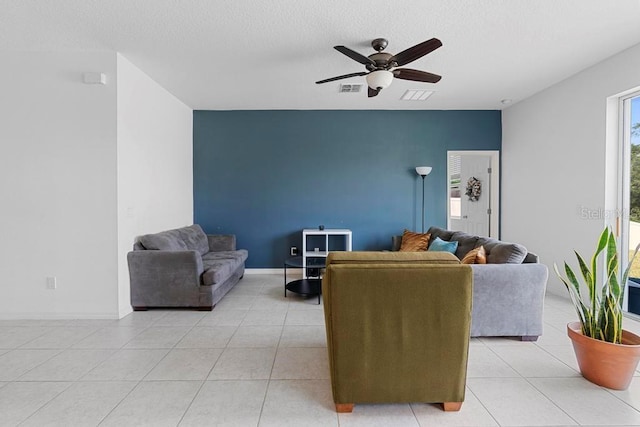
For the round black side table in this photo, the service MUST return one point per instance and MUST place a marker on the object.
(309, 286)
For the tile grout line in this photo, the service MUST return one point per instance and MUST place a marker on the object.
(549, 398)
(59, 351)
(192, 400)
(119, 402)
(47, 402)
(536, 388)
(275, 356)
(151, 369)
(620, 399)
(135, 384)
(483, 405)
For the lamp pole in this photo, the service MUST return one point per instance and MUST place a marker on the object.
(423, 171)
(423, 202)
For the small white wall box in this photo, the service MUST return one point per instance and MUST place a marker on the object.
(95, 78)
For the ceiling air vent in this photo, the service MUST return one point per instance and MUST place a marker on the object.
(350, 88)
(416, 95)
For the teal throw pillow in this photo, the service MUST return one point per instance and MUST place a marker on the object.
(440, 245)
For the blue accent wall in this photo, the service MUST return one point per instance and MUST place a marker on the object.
(266, 175)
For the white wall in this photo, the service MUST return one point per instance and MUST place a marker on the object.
(155, 164)
(57, 185)
(558, 162)
(83, 170)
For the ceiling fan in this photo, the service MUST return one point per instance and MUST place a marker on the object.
(381, 66)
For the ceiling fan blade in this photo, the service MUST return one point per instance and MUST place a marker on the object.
(373, 92)
(346, 76)
(354, 55)
(415, 75)
(415, 52)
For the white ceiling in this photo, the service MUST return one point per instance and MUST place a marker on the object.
(235, 54)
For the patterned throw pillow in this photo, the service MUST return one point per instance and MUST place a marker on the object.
(414, 242)
(475, 256)
(440, 245)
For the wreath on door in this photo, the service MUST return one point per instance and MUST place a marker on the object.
(474, 189)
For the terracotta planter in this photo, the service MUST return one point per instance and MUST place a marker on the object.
(606, 364)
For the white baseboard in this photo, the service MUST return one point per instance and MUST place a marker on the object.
(58, 316)
(291, 272)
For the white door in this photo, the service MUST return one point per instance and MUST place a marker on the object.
(471, 194)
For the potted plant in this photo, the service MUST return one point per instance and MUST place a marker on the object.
(607, 355)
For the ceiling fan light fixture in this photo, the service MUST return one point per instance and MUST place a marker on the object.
(380, 79)
(378, 65)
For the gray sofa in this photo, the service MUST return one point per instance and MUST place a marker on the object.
(183, 268)
(508, 291)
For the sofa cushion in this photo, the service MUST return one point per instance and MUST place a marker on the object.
(240, 254)
(488, 243)
(440, 232)
(506, 253)
(475, 256)
(414, 242)
(219, 270)
(164, 241)
(466, 242)
(195, 238)
(440, 245)
(499, 252)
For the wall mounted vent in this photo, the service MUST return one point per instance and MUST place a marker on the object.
(350, 88)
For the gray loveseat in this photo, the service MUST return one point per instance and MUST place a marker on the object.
(508, 291)
(184, 268)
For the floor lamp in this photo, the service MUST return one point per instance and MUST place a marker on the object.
(423, 171)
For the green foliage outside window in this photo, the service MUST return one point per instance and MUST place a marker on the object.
(634, 214)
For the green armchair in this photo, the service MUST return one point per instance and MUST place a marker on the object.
(398, 327)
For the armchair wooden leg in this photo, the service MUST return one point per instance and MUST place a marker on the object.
(343, 408)
(451, 406)
(529, 338)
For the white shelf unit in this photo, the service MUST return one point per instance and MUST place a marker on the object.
(327, 240)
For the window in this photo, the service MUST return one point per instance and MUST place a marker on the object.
(630, 217)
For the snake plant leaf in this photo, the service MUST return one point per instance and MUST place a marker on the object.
(584, 269)
(574, 291)
(625, 276)
(589, 280)
(614, 287)
(611, 323)
(612, 250)
(586, 275)
(601, 315)
(612, 260)
(572, 278)
(602, 243)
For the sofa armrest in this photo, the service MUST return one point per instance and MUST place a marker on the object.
(166, 262)
(508, 299)
(149, 268)
(221, 242)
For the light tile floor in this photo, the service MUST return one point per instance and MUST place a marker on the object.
(259, 359)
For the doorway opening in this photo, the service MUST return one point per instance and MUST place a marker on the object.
(473, 179)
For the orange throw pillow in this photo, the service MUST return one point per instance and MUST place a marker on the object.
(475, 256)
(414, 242)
